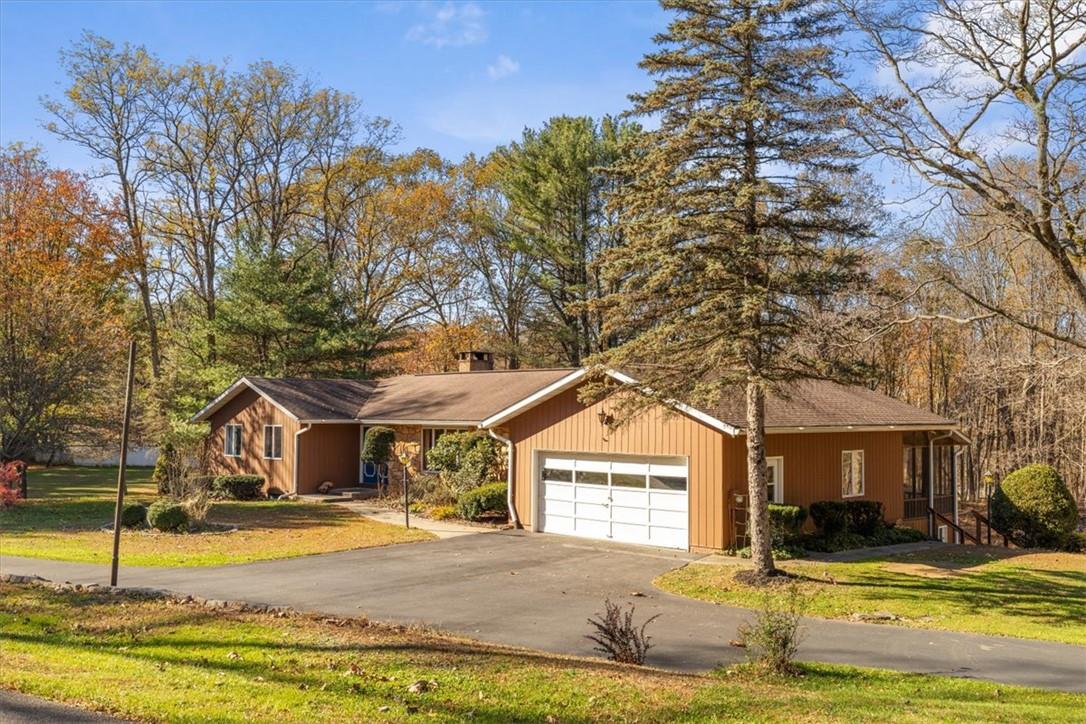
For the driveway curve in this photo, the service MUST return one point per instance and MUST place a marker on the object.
(538, 590)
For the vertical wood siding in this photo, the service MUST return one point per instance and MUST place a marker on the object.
(563, 424)
(328, 452)
(812, 466)
(252, 412)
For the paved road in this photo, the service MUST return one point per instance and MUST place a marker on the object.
(537, 591)
(18, 708)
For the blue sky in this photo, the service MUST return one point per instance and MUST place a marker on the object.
(457, 76)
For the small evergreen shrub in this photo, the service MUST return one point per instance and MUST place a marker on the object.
(377, 445)
(1034, 507)
(238, 487)
(830, 517)
(888, 535)
(477, 502)
(160, 475)
(863, 517)
(167, 516)
(467, 460)
(134, 515)
(786, 522)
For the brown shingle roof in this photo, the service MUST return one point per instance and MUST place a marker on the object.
(819, 403)
(467, 397)
(316, 399)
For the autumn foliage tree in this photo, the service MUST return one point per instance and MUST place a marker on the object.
(61, 322)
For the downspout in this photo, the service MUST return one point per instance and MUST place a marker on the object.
(297, 452)
(931, 485)
(509, 500)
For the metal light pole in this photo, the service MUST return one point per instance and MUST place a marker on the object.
(121, 463)
(405, 460)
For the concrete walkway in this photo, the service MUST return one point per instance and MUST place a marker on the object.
(440, 528)
(538, 590)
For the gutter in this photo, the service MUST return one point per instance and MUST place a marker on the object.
(509, 500)
(297, 452)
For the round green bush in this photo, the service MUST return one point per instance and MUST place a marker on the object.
(477, 502)
(1034, 507)
(238, 487)
(377, 445)
(864, 517)
(786, 522)
(134, 515)
(830, 517)
(167, 516)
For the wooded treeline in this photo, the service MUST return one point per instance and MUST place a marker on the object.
(250, 221)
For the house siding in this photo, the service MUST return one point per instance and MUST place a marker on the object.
(252, 412)
(812, 466)
(329, 451)
(564, 424)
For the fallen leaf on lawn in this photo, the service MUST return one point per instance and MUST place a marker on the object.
(303, 687)
(384, 708)
(422, 686)
(233, 655)
(259, 678)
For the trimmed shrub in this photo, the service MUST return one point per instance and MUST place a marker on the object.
(167, 516)
(477, 502)
(377, 445)
(1075, 543)
(467, 460)
(238, 487)
(888, 535)
(830, 517)
(1034, 507)
(134, 515)
(863, 517)
(786, 522)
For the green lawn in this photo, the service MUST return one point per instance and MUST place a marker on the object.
(981, 590)
(62, 520)
(160, 661)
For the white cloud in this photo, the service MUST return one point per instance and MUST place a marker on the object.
(450, 24)
(503, 67)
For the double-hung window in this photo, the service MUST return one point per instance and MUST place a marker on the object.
(232, 440)
(273, 442)
(852, 473)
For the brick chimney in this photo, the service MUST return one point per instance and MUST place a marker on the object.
(475, 361)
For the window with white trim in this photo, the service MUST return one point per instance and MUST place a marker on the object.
(852, 473)
(232, 440)
(273, 442)
(774, 479)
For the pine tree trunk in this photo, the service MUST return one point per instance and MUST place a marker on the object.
(761, 552)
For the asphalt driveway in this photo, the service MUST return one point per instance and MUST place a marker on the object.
(538, 591)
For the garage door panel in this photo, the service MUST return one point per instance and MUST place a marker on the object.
(591, 528)
(670, 518)
(668, 501)
(632, 500)
(558, 507)
(558, 491)
(628, 497)
(622, 514)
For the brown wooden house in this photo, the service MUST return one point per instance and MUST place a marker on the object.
(672, 477)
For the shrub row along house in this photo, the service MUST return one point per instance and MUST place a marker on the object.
(671, 477)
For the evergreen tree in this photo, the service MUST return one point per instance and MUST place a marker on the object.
(279, 315)
(556, 188)
(736, 232)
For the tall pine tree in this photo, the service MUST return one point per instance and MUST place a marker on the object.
(735, 230)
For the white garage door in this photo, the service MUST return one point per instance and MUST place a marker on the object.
(630, 500)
